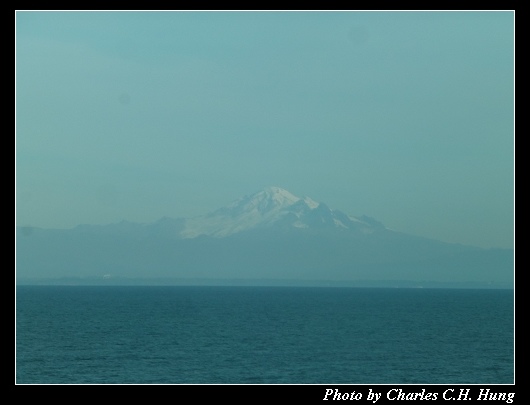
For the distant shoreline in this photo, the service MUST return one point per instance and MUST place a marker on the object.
(122, 281)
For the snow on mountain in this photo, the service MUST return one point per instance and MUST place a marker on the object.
(271, 207)
(288, 238)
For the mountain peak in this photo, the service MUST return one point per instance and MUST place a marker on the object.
(271, 207)
(275, 190)
(266, 200)
(277, 195)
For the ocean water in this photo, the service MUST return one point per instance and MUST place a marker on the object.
(263, 335)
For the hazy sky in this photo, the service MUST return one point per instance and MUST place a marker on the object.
(404, 116)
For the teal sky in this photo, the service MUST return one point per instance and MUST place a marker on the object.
(404, 116)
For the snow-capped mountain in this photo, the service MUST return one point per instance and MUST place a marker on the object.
(269, 235)
(272, 207)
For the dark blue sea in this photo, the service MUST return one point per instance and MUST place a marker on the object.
(263, 335)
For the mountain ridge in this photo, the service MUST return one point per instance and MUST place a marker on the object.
(269, 207)
(271, 234)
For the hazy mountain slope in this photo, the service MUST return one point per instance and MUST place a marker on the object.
(268, 235)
